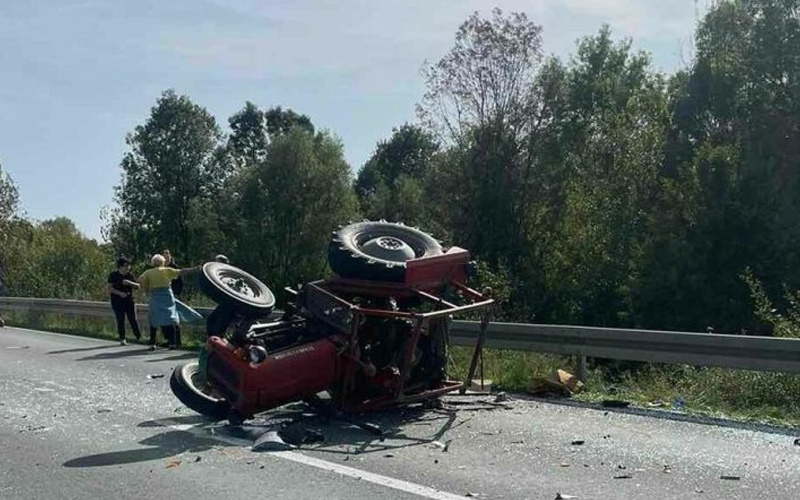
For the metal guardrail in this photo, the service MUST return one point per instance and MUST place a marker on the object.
(701, 349)
(71, 307)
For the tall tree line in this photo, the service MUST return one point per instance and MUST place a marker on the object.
(592, 189)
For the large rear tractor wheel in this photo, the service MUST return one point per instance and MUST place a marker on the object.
(378, 250)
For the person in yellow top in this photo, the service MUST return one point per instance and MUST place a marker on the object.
(163, 309)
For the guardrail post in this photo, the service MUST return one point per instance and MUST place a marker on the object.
(582, 372)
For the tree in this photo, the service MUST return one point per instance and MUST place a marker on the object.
(56, 260)
(732, 153)
(9, 197)
(280, 121)
(485, 78)
(284, 208)
(247, 142)
(390, 185)
(173, 162)
(612, 136)
(497, 109)
(9, 231)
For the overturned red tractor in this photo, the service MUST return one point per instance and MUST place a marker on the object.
(373, 335)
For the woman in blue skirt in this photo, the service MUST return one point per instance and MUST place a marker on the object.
(163, 310)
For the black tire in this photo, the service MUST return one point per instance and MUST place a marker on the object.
(378, 250)
(184, 385)
(237, 289)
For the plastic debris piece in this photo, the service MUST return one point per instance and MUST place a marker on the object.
(156, 375)
(623, 476)
(577, 442)
(730, 478)
(173, 464)
(564, 496)
(270, 441)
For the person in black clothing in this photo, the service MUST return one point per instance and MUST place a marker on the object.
(121, 284)
(177, 290)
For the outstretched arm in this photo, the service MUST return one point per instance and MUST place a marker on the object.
(189, 270)
(131, 283)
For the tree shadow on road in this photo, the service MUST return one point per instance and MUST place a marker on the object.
(160, 446)
(82, 349)
(123, 353)
(179, 357)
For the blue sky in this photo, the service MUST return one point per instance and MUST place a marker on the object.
(76, 76)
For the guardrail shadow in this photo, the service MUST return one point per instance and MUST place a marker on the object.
(670, 415)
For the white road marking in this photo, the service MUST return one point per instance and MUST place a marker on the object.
(293, 456)
(389, 482)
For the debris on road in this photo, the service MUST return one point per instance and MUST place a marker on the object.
(657, 403)
(624, 476)
(443, 446)
(559, 382)
(667, 469)
(173, 464)
(157, 375)
(18, 347)
(472, 495)
(270, 441)
(797, 442)
(313, 436)
(562, 496)
(389, 455)
(197, 458)
(501, 397)
(577, 442)
(103, 410)
(730, 478)
(615, 403)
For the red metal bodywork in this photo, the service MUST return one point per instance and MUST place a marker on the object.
(334, 363)
(285, 376)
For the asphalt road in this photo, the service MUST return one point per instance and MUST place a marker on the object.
(84, 418)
